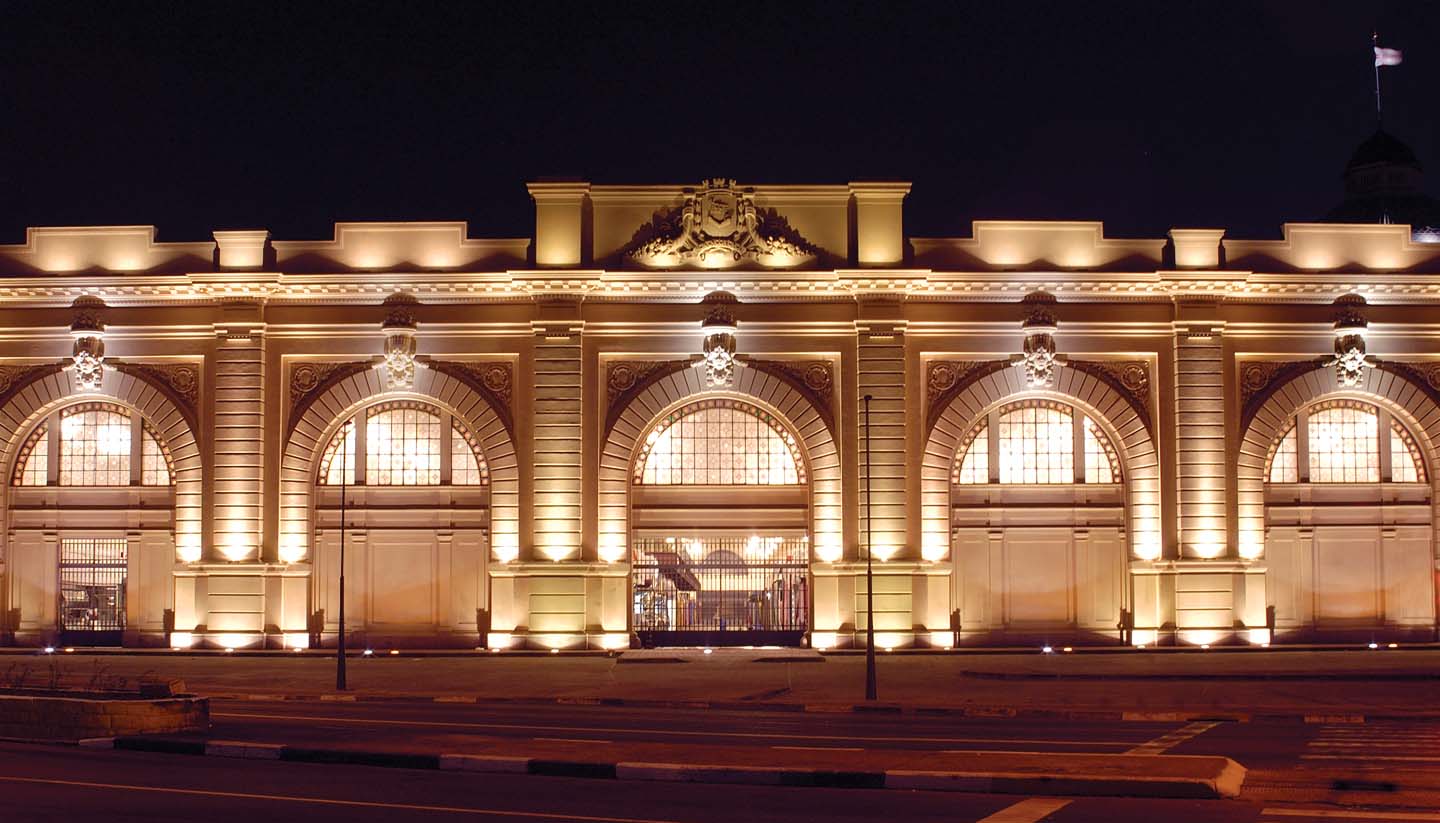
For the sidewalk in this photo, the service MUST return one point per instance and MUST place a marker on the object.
(1238, 684)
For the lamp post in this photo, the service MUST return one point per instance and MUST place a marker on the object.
(869, 572)
(340, 641)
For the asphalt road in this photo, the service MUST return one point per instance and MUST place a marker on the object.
(1335, 772)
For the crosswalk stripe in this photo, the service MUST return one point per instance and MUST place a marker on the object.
(1027, 811)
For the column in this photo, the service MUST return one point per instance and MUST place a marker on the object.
(1200, 438)
(239, 407)
(558, 430)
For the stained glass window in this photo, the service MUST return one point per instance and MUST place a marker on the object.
(1405, 463)
(33, 465)
(1037, 443)
(154, 460)
(1285, 462)
(94, 445)
(720, 442)
(402, 445)
(338, 461)
(1344, 443)
(467, 468)
(974, 465)
(404, 441)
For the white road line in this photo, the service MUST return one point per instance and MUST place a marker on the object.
(325, 801)
(1363, 756)
(1027, 811)
(1348, 815)
(1168, 741)
(819, 748)
(361, 721)
(568, 740)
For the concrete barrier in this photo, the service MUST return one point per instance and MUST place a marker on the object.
(71, 719)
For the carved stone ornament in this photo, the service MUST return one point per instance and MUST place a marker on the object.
(1350, 325)
(399, 328)
(307, 379)
(15, 378)
(1129, 378)
(946, 378)
(183, 379)
(622, 376)
(718, 347)
(719, 227)
(88, 353)
(815, 379)
(1038, 360)
(1260, 378)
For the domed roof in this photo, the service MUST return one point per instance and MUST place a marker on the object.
(1381, 147)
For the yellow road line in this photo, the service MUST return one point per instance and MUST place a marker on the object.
(325, 801)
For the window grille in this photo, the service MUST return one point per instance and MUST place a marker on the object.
(720, 442)
(155, 468)
(1285, 459)
(338, 461)
(403, 447)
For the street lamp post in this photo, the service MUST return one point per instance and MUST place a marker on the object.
(869, 572)
(340, 640)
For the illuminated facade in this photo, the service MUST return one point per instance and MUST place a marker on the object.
(644, 425)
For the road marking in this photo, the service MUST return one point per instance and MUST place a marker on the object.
(669, 732)
(568, 740)
(1169, 741)
(1347, 815)
(1027, 811)
(325, 801)
(1394, 758)
(818, 748)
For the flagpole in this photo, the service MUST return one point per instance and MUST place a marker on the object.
(1375, 43)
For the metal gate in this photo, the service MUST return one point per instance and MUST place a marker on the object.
(721, 591)
(92, 589)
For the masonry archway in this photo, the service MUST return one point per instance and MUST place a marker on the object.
(103, 496)
(800, 519)
(1336, 497)
(419, 538)
(1043, 554)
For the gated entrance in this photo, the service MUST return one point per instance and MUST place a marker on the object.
(92, 590)
(721, 591)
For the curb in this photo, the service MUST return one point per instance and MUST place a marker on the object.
(974, 712)
(1227, 783)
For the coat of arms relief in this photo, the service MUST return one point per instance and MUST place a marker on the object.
(719, 227)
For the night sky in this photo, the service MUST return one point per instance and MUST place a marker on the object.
(1147, 115)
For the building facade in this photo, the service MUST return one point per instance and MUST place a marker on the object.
(690, 414)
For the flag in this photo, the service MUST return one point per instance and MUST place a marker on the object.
(1386, 57)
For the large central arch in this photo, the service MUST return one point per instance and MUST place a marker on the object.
(769, 391)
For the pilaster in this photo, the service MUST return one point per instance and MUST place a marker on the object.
(558, 429)
(881, 374)
(239, 408)
(1200, 457)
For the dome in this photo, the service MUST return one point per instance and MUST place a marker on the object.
(1382, 148)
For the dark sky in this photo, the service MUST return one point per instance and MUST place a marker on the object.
(202, 115)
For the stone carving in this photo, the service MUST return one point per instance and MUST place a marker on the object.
(1350, 325)
(814, 379)
(88, 353)
(1038, 359)
(718, 347)
(719, 227)
(399, 328)
(946, 378)
(1260, 378)
(15, 378)
(306, 378)
(1425, 374)
(493, 380)
(1130, 378)
(183, 379)
(623, 375)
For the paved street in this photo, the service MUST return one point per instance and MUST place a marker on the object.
(1297, 772)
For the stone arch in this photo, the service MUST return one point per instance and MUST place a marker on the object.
(1397, 392)
(752, 384)
(1116, 414)
(309, 433)
(58, 388)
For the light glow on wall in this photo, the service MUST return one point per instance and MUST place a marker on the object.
(942, 640)
(181, 640)
(1200, 637)
(1140, 638)
(1259, 637)
(496, 641)
(820, 641)
(614, 640)
(297, 640)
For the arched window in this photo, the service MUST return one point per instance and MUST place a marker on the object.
(406, 443)
(719, 442)
(1345, 441)
(1036, 442)
(96, 445)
